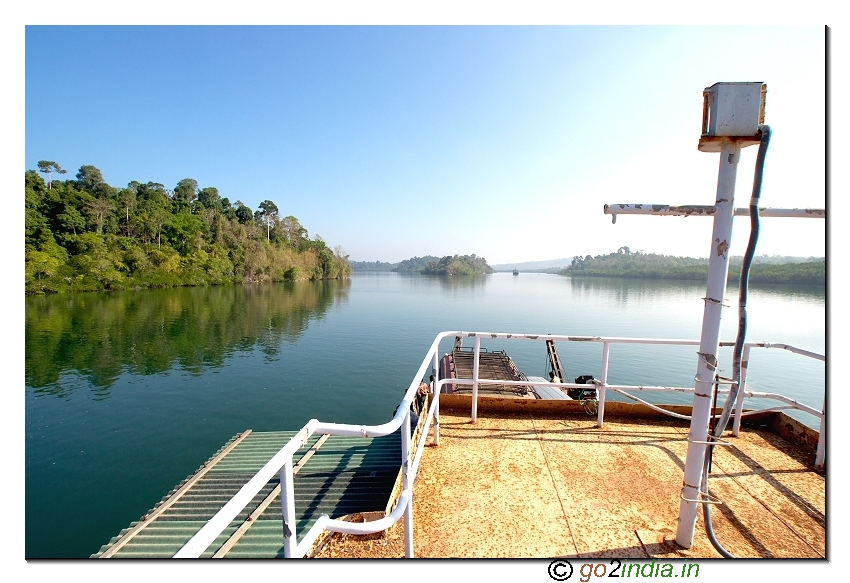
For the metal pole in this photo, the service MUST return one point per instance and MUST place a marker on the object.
(742, 387)
(819, 457)
(287, 503)
(718, 268)
(475, 361)
(436, 396)
(406, 485)
(600, 414)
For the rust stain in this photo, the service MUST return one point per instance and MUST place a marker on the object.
(722, 248)
(535, 485)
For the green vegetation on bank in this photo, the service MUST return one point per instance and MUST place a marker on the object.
(458, 265)
(372, 265)
(430, 265)
(85, 235)
(626, 263)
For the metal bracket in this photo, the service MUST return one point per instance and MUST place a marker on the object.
(709, 499)
(717, 441)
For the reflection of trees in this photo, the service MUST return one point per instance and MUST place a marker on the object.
(100, 335)
(625, 290)
(453, 283)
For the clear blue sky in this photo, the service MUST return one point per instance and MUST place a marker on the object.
(403, 141)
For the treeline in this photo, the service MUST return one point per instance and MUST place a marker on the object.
(626, 263)
(372, 265)
(430, 265)
(414, 264)
(458, 265)
(85, 235)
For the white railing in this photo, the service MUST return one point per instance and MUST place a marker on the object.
(282, 461)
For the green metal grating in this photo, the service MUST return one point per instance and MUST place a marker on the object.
(345, 475)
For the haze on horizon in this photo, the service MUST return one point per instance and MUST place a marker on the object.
(397, 142)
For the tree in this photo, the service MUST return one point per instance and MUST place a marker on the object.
(243, 213)
(269, 212)
(71, 220)
(88, 178)
(98, 208)
(49, 167)
(127, 198)
(210, 198)
(293, 232)
(185, 193)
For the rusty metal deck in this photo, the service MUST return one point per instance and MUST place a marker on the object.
(534, 484)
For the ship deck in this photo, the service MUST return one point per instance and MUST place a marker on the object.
(530, 478)
(532, 483)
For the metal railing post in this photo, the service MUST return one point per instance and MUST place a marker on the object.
(406, 485)
(600, 414)
(742, 387)
(476, 359)
(287, 503)
(819, 457)
(435, 392)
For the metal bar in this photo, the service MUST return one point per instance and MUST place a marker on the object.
(651, 406)
(436, 396)
(792, 349)
(287, 506)
(718, 269)
(701, 210)
(475, 364)
(600, 413)
(742, 386)
(821, 452)
(407, 485)
(784, 399)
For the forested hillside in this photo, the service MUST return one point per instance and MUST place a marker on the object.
(626, 263)
(85, 235)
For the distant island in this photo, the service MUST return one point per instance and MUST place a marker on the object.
(85, 235)
(765, 269)
(430, 265)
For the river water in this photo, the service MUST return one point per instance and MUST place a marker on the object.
(128, 393)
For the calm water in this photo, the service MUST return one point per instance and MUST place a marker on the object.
(128, 393)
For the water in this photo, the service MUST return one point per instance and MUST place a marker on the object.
(128, 393)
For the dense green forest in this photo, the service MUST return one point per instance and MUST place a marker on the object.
(458, 265)
(372, 265)
(430, 265)
(85, 235)
(626, 263)
(416, 264)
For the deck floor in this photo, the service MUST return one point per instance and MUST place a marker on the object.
(527, 485)
(535, 487)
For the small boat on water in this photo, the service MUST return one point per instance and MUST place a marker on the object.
(516, 271)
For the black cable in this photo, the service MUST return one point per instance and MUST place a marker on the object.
(764, 130)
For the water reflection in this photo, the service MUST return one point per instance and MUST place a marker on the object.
(99, 336)
(630, 291)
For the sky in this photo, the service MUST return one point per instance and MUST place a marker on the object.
(402, 141)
